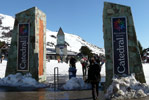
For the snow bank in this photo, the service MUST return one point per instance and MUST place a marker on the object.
(19, 80)
(76, 84)
(126, 88)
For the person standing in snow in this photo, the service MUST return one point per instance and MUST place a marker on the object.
(73, 62)
(84, 63)
(94, 76)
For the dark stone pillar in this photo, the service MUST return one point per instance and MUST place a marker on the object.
(27, 53)
(110, 11)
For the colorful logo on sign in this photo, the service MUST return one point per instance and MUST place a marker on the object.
(119, 24)
(23, 29)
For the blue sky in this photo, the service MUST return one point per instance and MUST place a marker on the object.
(82, 17)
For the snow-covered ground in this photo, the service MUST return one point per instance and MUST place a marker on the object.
(63, 68)
(3, 68)
(19, 80)
(146, 72)
(63, 71)
(122, 88)
(76, 84)
(126, 88)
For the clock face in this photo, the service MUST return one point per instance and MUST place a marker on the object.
(60, 40)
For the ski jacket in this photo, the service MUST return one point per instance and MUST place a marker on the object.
(94, 73)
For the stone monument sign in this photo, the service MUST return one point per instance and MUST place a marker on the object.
(121, 45)
(27, 53)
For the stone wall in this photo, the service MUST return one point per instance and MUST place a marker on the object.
(37, 44)
(135, 65)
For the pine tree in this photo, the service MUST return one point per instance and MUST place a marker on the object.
(86, 51)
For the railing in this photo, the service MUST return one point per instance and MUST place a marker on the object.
(56, 78)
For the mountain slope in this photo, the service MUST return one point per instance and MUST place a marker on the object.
(73, 42)
(6, 25)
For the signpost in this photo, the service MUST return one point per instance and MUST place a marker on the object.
(27, 53)
(23, 46)
(120, 46)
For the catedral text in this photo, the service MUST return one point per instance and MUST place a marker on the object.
(23, 50)
(121, 55)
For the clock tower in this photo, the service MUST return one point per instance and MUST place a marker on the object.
(60, 37)
(61, 47)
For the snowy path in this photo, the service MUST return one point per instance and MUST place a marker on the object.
(3, 68)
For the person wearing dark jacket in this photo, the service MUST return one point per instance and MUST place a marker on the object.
(73, 62)
(94, 77)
